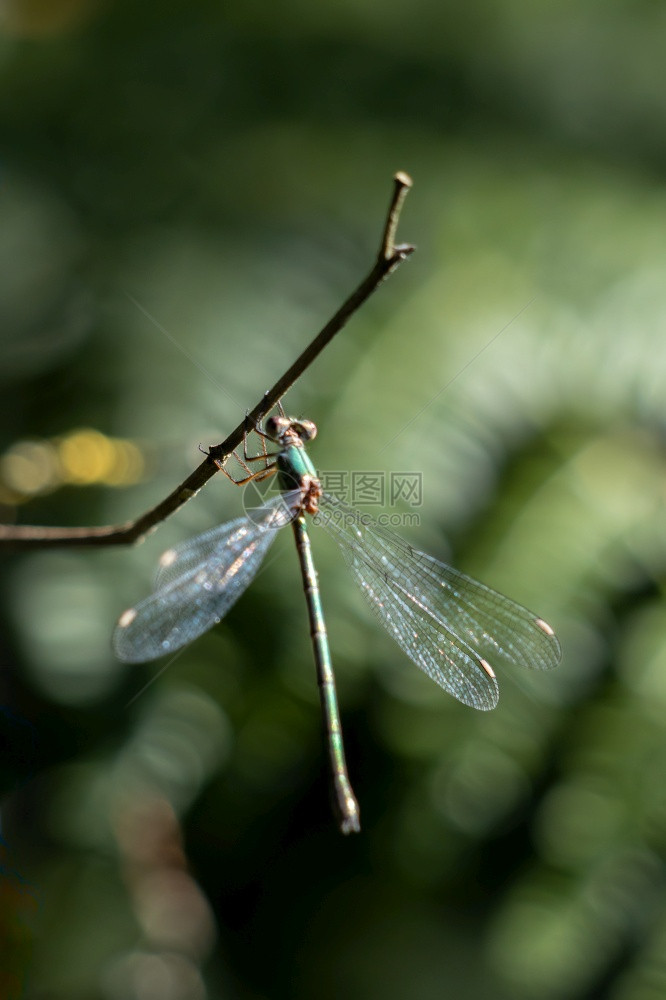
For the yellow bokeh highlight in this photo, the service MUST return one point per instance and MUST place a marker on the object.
(84, 457)
(87, 457)
(30, 467)
(128, 465)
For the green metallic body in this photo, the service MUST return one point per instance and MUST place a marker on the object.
(296, 471)
(294, 464)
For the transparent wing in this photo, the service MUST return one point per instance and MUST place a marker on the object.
(190, 554)
(196, 585)
(451, 626)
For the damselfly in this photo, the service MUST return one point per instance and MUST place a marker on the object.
(451, 626)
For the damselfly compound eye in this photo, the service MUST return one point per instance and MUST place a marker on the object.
(306, 429)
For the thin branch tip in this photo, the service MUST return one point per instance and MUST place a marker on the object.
(388, 249)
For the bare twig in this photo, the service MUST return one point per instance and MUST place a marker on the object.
(389, 257)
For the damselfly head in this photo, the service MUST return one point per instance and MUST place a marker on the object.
(281, 428)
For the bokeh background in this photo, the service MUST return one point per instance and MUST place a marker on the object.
(187, 193)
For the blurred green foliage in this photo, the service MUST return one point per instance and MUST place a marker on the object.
(220, 172)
